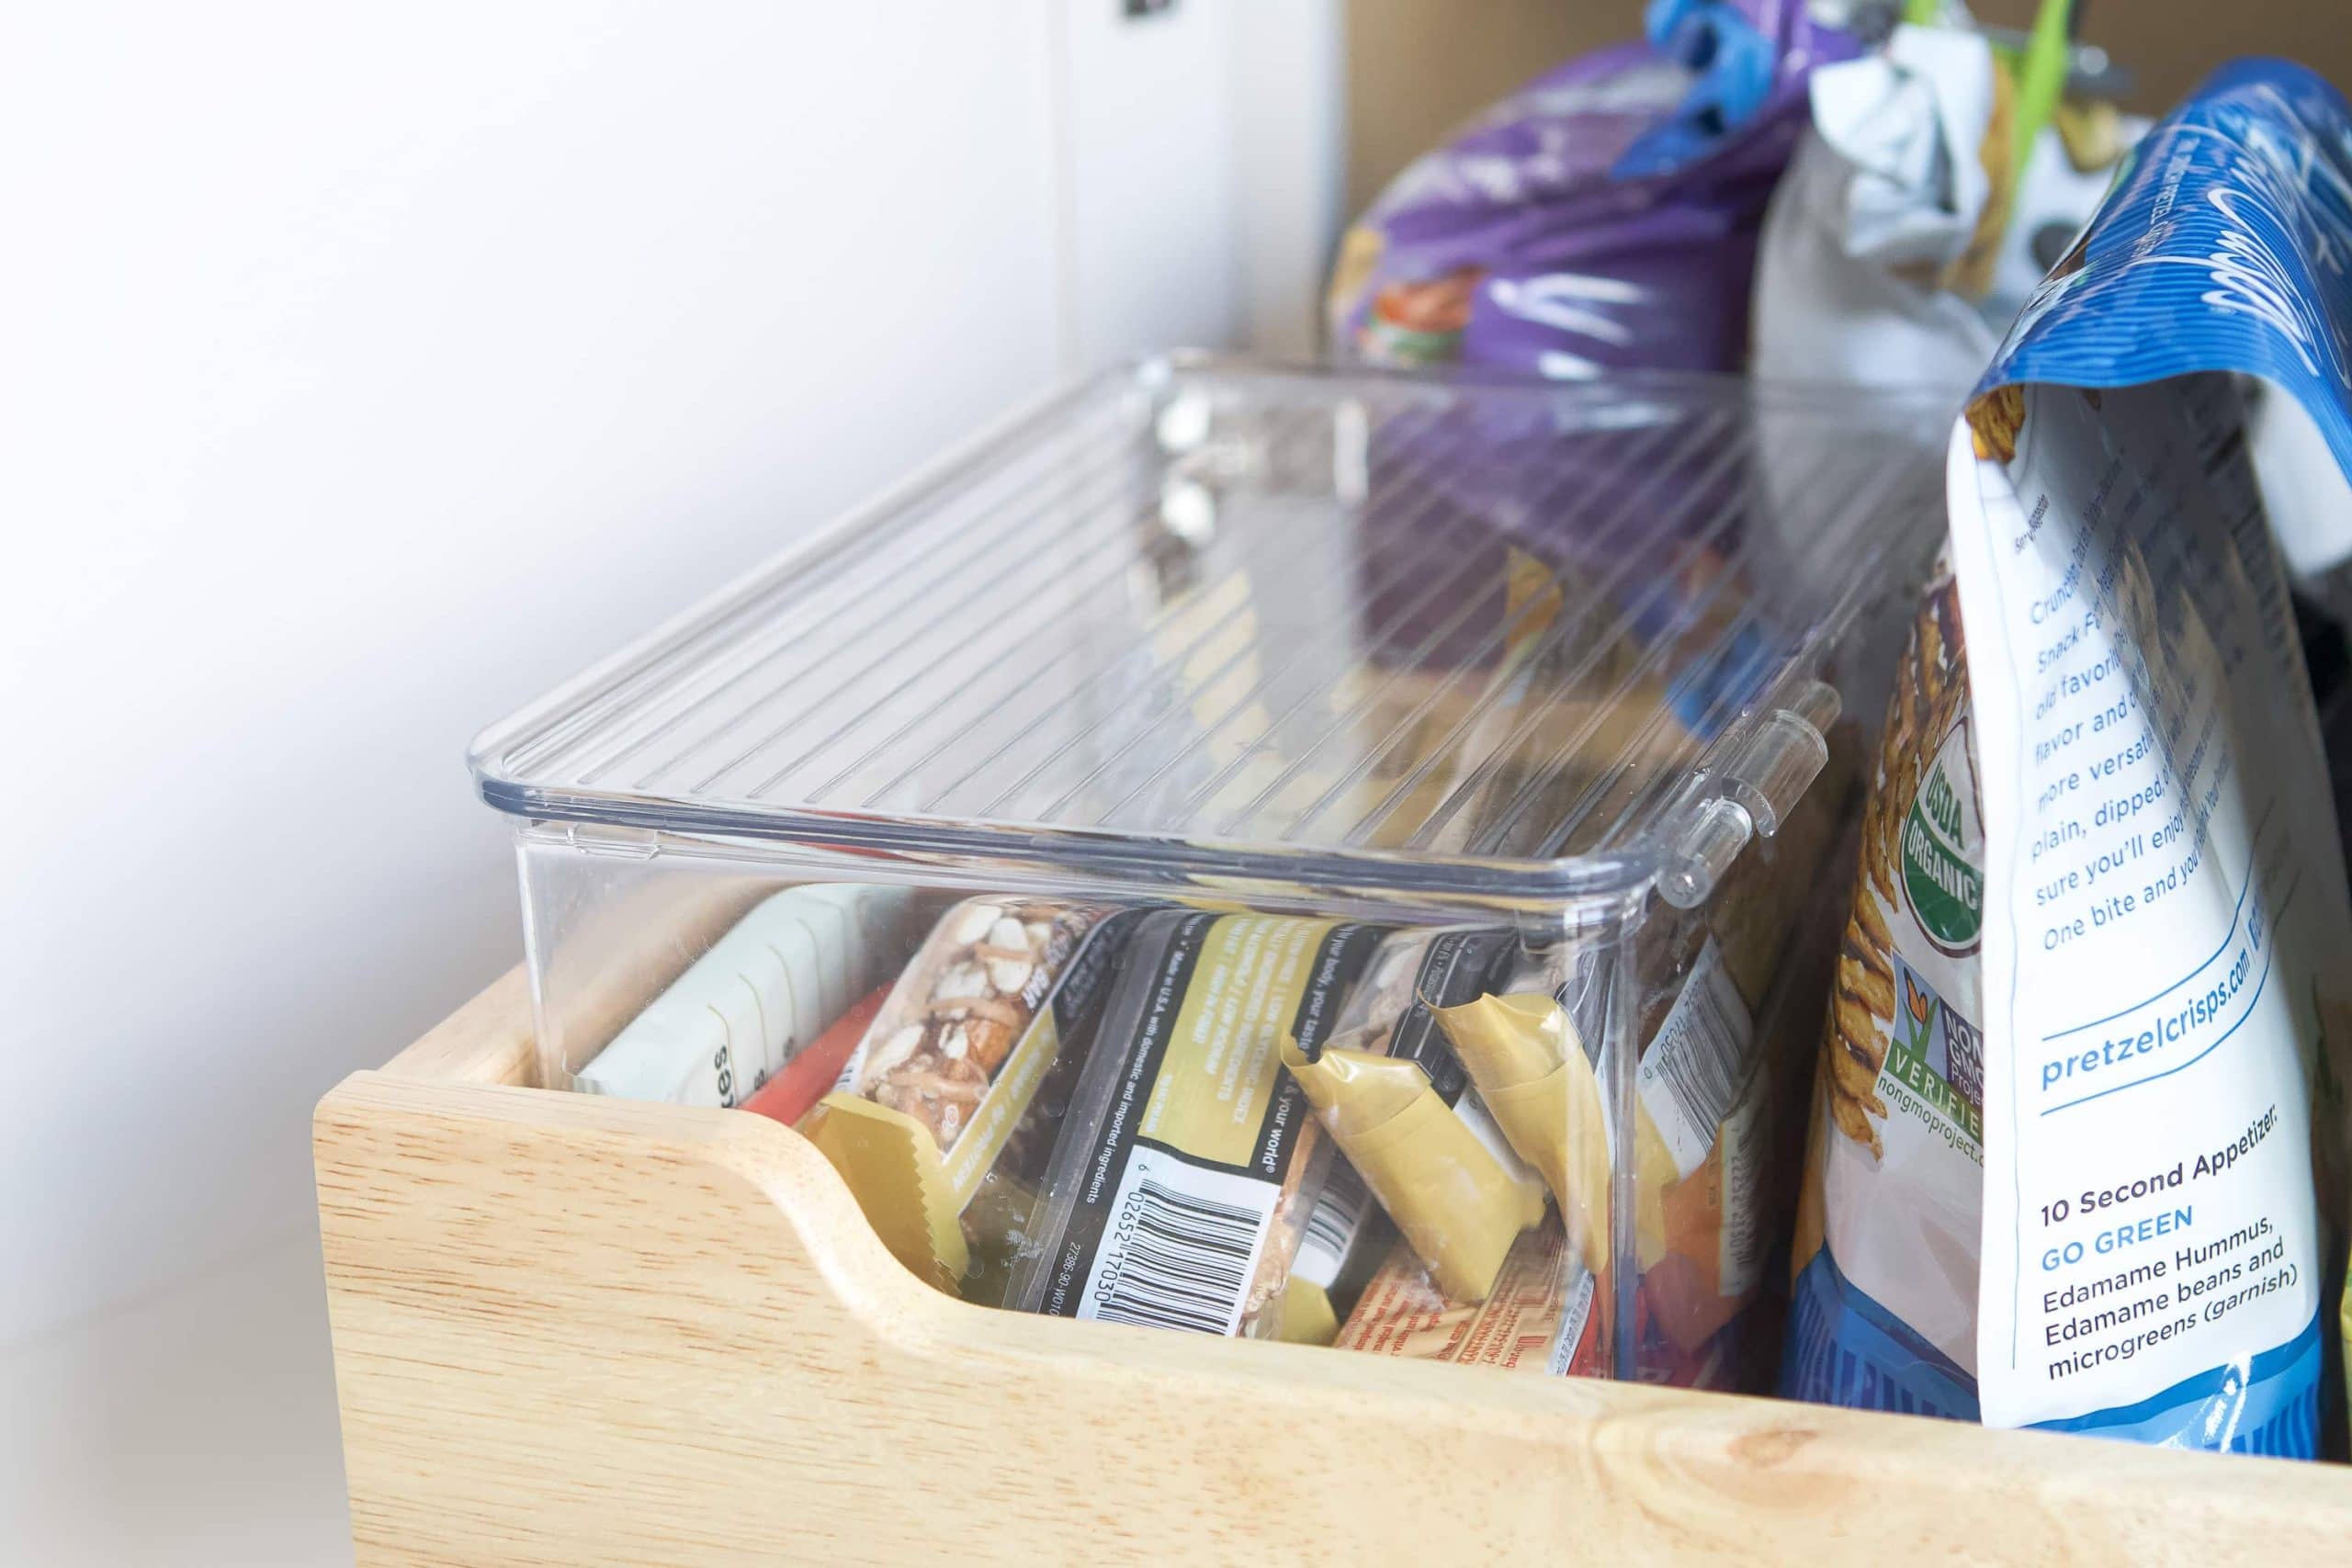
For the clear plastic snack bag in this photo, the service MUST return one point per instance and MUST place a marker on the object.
(1387, 1088)
(946, 1107)
(1187, 1168)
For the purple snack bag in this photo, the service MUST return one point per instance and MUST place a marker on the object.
(1603, 217)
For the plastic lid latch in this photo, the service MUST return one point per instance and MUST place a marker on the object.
(1756, 790)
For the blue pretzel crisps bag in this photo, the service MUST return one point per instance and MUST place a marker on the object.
(2076, 1156)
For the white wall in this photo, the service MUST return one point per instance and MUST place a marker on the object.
(1290, 168)
(365, 369)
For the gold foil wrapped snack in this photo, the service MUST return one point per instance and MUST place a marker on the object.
(1459, 1205)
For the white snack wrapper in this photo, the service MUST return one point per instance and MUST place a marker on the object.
(764, 990)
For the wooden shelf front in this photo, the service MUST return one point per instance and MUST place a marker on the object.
(575, 1330)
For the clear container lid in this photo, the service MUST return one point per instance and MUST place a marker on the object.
(1198, 621)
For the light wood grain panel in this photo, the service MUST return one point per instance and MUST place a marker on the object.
(576, 1330)
(489, 1039)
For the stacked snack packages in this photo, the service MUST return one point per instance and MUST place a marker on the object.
(2077, 1157)
(751, 1007)
(1235, 1123)
(1393, 1139)
(1706, 1148)
(1187, 1170)
(1394, 1096)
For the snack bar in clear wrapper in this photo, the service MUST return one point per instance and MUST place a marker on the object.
(1542, 1314)
(1188, 1166)
(2077, 1159)
(1726, 1015)
(948, 1104)
(1391, 1093)
(1523, 1052)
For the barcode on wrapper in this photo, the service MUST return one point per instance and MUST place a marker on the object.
(1692, 1076)
(1181, 1245)
(1331, 1229)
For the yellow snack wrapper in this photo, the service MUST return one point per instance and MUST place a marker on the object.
(1458, 1205)
(891, 1166)
(950, 1096)
(1523, 1052)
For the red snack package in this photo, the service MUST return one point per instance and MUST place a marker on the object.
(810, 1076)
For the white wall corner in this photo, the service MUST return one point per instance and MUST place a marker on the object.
(1289, 152)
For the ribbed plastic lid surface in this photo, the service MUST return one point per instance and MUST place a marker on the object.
(1207, 618)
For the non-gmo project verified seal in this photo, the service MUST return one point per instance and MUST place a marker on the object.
(1936, 1053)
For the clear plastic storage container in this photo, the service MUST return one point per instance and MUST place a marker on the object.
(1330, 856)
